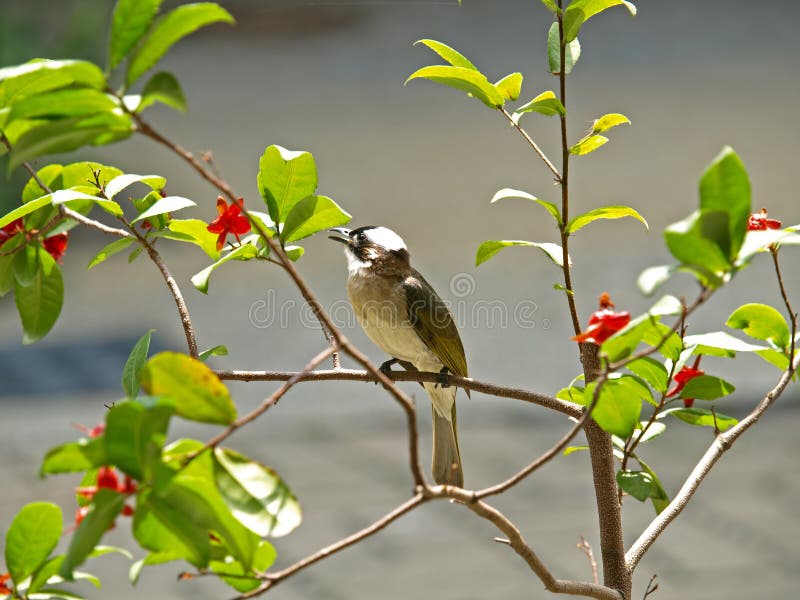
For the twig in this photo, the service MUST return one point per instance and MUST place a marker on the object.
(586, 548)
(266, 404)
(491, 389)
(533, 145)
(786, 302)
(652, 586)
(547, 456)
(273, 579)
(722, 443)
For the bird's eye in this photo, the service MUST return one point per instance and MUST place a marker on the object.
(361, 238)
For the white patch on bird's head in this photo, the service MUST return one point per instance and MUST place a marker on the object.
(355, 265)
(385, 237)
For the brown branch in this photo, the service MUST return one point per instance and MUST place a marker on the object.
(652, 586)
(721, 444)
(491, 389)
(786, 302)
(273, 579)
(533, 145)
(266, 404)
(547, 456)
(586, 548)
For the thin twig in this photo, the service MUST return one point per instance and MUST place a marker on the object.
(586, 548)
(722, 443)
(652, 586)
(550, 454)
(491, 389)
(533, 145)
(271, 401)
(786, 302)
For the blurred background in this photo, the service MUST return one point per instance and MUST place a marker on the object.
(327, 76)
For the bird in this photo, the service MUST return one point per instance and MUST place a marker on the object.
(405, 317)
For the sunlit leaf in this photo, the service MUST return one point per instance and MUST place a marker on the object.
(32, 536)
(134, 364)
(510, 86)
(165, 205)
(242, 252)
(129, 23)
(588, 144)
(488, 249)
(701, 417)
(106, 505)
(39, 300)
(572, 51)
(313, 214)
(110, 250)
(608, 121)
(119, 183)
(454, 57)
(605, 212)
(510, 193)
(761, 322)
(467, 80)
(707, 387)
(284, 178)
(163, 87)
(580, 11)
(545, 103)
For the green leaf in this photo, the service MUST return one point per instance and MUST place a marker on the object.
(64, 196)
(488, 249)
(653, 278)
(64, 103)
(165, 205)
(39, 302)
(719, 343)
(652, 371)
(41, 75)
(198, 393)
(163, 87)
(467, 80)
(31, 537)
(573, 449)
(658, 495)
(106, 505)
(777, 359)
(119, 183)
(761, 322)
(74, 457)
(25, 209)
(134, 365)
(135, 435)
(215, 351)
(700, 417)
(110, 250)
(588, 144)
(707, 387)
(263, 559)
(510, 86)
(169, 29)
(701, 241)
(608, 121)
(760, 241)
(625, 341)
(580, 11)
(654, 430)
(255, 494)
(618, 407)
(638, 484)
(545, 103)
(198, 233)
(548, 206)
(572, 51)
(551, 6)
(725, 187)
(454, 57)
(130, 22)
(242, 252)
(605, 212)
(284, 178)
(310, 215)
(65, 135)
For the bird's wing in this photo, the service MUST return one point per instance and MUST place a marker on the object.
(434, 324)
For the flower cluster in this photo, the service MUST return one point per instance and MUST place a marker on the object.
(3, 588)
(604, 322)
(684, 376)
(56, 245)
(230, 220)
(759, 222)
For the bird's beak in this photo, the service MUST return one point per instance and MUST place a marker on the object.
(343, 235)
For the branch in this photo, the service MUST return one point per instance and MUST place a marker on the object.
(586, 548)
(491, 389)
(722, 443)
(266, 404)
(792, 315)
(273, 579)
(547, 456)
(533, 145)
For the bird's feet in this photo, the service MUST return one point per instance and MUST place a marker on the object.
(442, 380)
(386, 368)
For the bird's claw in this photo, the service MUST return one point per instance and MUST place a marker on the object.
(386, 368)
(441, 380)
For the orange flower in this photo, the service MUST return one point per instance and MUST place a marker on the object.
(230, 220)
(603, 323)
(759, 221)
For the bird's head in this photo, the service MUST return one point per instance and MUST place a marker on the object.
(372, 247)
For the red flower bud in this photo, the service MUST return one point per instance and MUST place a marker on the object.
(107, 478)
(56, 245)
(759, 222)
(604, 322)
(127, 511)
(684, 376)
(10, 230)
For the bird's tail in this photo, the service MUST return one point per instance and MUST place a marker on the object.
(446, 464)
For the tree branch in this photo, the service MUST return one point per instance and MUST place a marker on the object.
(533, 145)
(792, 315)
(491, 389)
(722, 443)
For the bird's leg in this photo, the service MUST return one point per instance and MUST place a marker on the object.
(386, 367)
(442, 379)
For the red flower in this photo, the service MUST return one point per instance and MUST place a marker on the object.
(684, 376)
(604, 322)
(10, 230)
(3, 588)
(759, 221)
(94, 432)
(107, 478)
(230, 220)
(56, 245)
